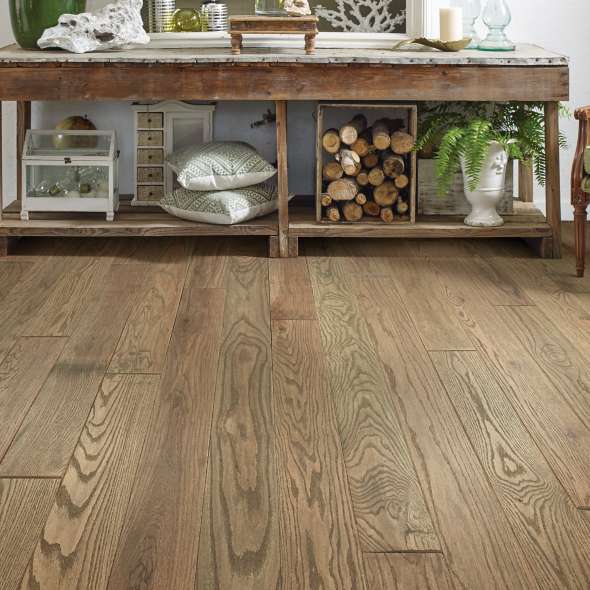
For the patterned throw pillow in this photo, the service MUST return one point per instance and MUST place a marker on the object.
(220, 166)
(222, 207)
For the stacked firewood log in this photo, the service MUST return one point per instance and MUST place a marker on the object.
(367, 173)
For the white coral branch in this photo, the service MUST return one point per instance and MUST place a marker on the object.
(362, 16)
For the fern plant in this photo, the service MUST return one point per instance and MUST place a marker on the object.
(463, 132)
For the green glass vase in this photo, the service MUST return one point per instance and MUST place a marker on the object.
(31, 17)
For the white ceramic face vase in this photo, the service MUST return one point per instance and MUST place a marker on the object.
(490, 189)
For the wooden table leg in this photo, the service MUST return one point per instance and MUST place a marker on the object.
(526, 181)
(310, 44)
(283, 178)
(580, 226)
(236, 43)
(1, 165)
(23, 124)
(553, 188)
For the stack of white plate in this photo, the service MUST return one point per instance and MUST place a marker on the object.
(216, 16)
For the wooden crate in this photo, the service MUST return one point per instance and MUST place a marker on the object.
(336, 115)
(455, 202)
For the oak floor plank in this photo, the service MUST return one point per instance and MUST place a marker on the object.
(22, 374)
(159, 543)
(24, 506)
(291, 295)
(549, 528)
(239, 541)
(79, 540)
(319, 544)
(557, 428)
(476, 536)
(429, 305)
(146, 336)
(210, 260)
(364, 258)
(11, 274)
(48, 435)
(404, 571)
(389, 508)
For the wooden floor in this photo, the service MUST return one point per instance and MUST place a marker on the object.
(180, 413)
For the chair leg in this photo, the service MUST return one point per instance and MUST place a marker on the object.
(580, 222)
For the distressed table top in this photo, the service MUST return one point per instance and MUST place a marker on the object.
(525, 55)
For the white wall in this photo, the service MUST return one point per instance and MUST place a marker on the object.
(559, 26)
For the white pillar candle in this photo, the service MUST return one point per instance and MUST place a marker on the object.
(451, 24)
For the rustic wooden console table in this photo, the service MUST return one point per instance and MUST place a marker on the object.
(529, 74)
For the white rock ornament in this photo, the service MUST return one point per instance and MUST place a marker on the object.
(115, 26)
(297, 7)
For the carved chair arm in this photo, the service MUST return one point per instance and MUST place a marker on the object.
(578, 173)
(582, 114)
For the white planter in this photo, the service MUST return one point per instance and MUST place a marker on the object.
(490, 190)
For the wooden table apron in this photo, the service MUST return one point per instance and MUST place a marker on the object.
(283, 82)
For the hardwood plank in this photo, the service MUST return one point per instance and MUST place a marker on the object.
(549, 528)
(476, 537)
(48, 435)
(319, 544)
(389, 508)
(423, 571)
(291, 295)
(556, 428)
(429, 305)
(310, 81)
(11, 273)
(159, 543)
(557, 356)
(239, 541)
(210, 259)
(146, 336)
(22, 374)
(24, 506)
(79, 540)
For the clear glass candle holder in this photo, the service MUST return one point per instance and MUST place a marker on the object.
(471, 12)
(496, 16)
(269, 8)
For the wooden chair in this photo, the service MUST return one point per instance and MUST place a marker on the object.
(581, 186)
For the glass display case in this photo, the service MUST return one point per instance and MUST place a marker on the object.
(70, 171)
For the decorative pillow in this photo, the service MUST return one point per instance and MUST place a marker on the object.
(222, 207)
(220, 166)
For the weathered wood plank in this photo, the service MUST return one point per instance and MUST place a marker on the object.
(319, 544)
(146, 336)
(291, 295)
(556, 427)
(48, 435)
(79, 540)
(476, 537)
(159, 543)
(549, 528)
(22, 375)
(239, 541)
(397, 571)
(24, 506)
(429, 305)
(389, 508)
(284, 82)
(11, 273)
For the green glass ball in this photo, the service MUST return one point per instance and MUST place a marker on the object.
(186, 20)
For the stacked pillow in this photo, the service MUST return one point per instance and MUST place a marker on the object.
(221, 183)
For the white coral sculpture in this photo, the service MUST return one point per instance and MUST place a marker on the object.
(362, 16)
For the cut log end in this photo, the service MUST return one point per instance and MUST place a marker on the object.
(352, 211)
(386, 194)
(333, 214)
(402, 142)
(387, 215)
(331, 141)
(402, 181)
(344, 189)
(371, 209)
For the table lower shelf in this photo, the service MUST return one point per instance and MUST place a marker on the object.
(527, 222)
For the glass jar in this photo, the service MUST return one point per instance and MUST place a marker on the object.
(270, 8)
(497, 17)
(471, 12)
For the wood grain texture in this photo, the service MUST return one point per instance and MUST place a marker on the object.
(11, 273)
(389, 508)
(22, 375)
(548, 527)
(553, 184)
(319, 544)
(557, 429)
(146, 336)
(291, 295)
(48, 435)
(210, 260)
(283, 82)
(429, 305)
(476, 536)
(408, 572)
(159, 543)
(239, 541)
(24, 506)
(79, 540)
